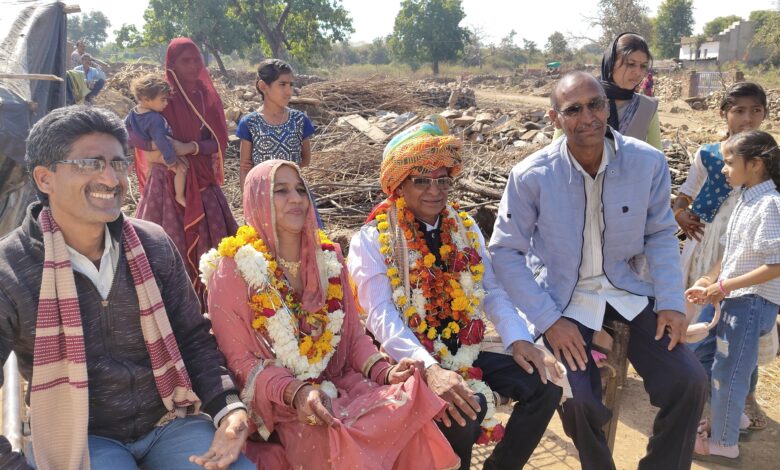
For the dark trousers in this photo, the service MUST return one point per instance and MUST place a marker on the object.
(536, 403)
(675, 381)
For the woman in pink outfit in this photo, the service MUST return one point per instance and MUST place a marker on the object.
(313, 380)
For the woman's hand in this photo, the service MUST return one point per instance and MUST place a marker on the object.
(690, 224)
(403, 370)
(182, 148)
(314, 407)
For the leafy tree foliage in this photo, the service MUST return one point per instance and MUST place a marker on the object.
(768, 32)
(204, 21)
(128, 36)
(717, 25)
(618, 16)
(674, 21)
(557, 47)
(429, 31)
(91, 27)
(301, 29)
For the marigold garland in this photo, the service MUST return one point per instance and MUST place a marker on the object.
(277, 308)
(443, 302)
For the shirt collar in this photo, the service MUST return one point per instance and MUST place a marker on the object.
(108, 248)
(757, 190)
(606, 156)
(428, 227)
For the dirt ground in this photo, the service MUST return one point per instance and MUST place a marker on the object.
(556, 450)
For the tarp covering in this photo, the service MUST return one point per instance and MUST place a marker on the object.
(32, 40)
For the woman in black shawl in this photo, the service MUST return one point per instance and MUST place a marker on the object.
(623, 67)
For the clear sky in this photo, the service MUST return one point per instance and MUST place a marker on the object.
(532, 19)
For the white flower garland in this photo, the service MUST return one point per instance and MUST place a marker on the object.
(281, 327)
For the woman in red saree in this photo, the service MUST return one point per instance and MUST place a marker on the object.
(197, 122)
(311, 377)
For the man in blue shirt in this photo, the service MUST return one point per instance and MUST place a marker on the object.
(577, 221)
(95, 77)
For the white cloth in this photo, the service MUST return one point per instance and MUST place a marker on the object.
(102, 277)
(369, 272)
(593, 290)
(753, 239)
(697, 175)
(699, 257)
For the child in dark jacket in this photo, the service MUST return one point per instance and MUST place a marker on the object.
(151, 93)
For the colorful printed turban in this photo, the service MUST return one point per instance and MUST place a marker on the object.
(422, 148)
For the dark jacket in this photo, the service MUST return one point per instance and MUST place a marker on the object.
(124, 403)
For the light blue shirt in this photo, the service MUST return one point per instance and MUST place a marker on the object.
(92, 75)
(537, 242)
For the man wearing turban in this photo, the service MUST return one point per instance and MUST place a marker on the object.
(425, 281)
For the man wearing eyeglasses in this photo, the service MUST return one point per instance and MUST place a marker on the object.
(424, 278)
(574, 219)
(103, 319)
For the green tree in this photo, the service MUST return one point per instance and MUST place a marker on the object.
(204, 21)
(128, 36)
(618, 16)
(303, 29)
(379, 52)
(531, 49)
(429, 31)
(557, 47)
(719, 24)
(91, 27)
(674, 21)
(768, 32)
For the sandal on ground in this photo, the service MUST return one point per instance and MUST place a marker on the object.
(704, 428)
(701, 452)
(756, 415)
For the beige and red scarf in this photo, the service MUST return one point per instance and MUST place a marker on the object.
(59, 400)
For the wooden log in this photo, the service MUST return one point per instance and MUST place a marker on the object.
(31, 76)
(475, 188)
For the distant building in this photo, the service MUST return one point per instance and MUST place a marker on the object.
(732, 44)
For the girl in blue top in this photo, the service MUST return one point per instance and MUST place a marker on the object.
(274, 131)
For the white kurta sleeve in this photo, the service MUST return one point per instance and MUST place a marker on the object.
(369, 273)
(498, 306)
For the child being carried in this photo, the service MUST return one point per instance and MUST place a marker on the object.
(151, 92)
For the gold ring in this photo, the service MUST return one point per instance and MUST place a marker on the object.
(311, 420)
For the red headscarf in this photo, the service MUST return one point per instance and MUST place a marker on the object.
(259, 213)
(186, 116)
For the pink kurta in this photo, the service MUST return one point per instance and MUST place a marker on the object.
(381, 426)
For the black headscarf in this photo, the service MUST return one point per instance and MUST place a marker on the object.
(611, 89)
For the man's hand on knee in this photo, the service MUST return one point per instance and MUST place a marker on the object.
(527, 354)
(228, 441)
(674, 322)
(567, 342)
(451, 387)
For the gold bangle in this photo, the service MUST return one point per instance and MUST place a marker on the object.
(677, 212)
(687, 198)
(197, 148)
(371, 362)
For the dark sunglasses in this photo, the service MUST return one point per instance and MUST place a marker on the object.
(596, 105)
(423, 182)
(96, 165)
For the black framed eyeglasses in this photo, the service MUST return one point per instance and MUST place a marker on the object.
(97, 165)
(595, 105)
(424, 182)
